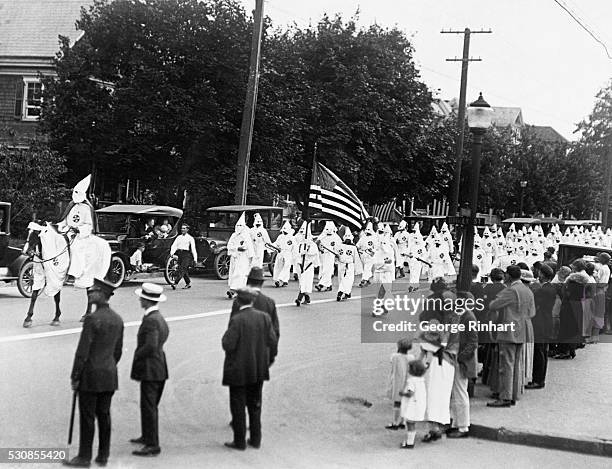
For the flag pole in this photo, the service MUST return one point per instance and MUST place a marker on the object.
(313, 180)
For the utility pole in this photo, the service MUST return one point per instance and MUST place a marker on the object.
(454, 202)
(606, 202)
(248, 115)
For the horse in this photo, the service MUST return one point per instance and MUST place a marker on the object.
(54, 253)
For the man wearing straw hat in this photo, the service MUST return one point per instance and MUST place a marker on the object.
(94, 373)
(149, 366)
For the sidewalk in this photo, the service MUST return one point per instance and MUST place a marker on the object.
(573, 412)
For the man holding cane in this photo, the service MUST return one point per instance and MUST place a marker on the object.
(94, 373)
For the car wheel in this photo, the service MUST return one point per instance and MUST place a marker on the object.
(171, 270)
(222, 265)
(25, 281)
(116, 271)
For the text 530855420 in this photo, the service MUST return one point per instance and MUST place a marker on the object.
(33, 455)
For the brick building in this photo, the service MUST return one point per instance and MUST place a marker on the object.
(29, 42)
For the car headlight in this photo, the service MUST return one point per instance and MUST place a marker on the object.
(212, 244)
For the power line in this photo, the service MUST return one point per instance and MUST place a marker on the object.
(583, 25)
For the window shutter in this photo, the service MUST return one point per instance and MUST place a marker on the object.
(18, 99)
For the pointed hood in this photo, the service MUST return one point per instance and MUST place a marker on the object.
(287, 228)
(388, 231)
(79, 193)
(417, 229)
(512, 228)
(433, 232)
(369, 229)
(257, 220)
(240, 224)
(347, 236)
(402, 225)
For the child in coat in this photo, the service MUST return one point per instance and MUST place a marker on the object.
(397, 380)
(414, 401)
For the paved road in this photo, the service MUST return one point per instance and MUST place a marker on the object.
(312, 411)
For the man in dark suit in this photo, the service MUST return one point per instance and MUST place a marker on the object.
(94, 374)
(517, 305)
(250, 345)
(149, 366)
(545, 298)
(261, 302)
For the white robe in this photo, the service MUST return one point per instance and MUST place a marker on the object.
(347, 255)
(367, 246)
(260, 237)
(331, 242)
(416, 266)
(79, 217)
(240, 261)
(384, 263)
(307, 254)
(284, 259)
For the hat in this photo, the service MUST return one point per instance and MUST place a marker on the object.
(527, 276)
(256, 274)
(245, 295)
(151, 292)
(103, 286)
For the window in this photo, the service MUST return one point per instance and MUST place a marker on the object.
(28, 99)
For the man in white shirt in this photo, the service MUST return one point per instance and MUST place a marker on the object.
(184, 249)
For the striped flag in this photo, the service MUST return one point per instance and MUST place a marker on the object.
(330, 195)
(385, 212)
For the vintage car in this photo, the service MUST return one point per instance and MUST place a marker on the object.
(214, 227)
(13, 264)
(123, 226)
(568, 253)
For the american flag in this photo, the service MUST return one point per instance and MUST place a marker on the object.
(387, 212)
(330, 195)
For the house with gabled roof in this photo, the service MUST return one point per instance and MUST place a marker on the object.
(512, 117)
(29, 42)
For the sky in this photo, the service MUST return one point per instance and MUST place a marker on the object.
(537, 58)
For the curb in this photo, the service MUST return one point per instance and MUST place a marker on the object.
(592, 446)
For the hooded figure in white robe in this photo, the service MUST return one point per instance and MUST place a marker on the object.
(87, 256)
(385, 257)
(347, 257)
(241, 252)
(260, 238)
(328, 243)
(284, 258)
(298, 237)
(367, 246)
(417, 253)
(478, 255)
(402, 241)
(439, 258)
(508, 258)
(488, 247)
(447, 238)
(307, 254)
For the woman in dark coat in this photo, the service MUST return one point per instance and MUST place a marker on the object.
(571, 314)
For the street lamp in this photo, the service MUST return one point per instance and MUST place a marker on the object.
(523, 185)
(479, 115)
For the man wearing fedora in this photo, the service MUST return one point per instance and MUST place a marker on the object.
(94, 373)
(261, 302)
(184, 250)
(149, 366)
(250, 346)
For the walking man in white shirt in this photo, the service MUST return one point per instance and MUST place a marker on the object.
(184, 250)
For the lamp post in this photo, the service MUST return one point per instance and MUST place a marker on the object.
(479, 120)
(523, 185)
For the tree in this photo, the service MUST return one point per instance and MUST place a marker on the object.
(30, 180)
(172, 115)
(355, 95)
